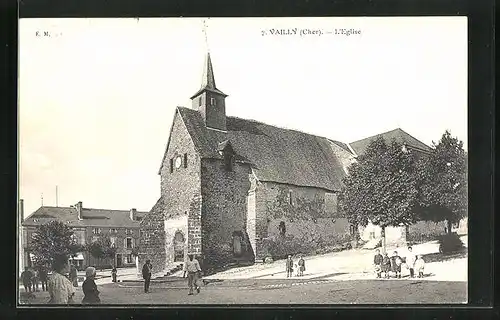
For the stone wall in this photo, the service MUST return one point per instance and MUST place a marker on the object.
(303, 211)
(152, 241)
(180, 192)
(421, 231)
(224, 211)
(393, 235)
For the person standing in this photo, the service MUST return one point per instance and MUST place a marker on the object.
(34, 279)
(26, 276)
(91, 294)
(113, 274)
(410, 261)
(289, 267)
(302, 266)
(146, 274)
(386, 265)
(73, 275)
(43, 277)
(396, 262)
(377, 261)
(192, 268)
(60, 289)
(419, 266)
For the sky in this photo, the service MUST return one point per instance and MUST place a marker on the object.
(97, 96)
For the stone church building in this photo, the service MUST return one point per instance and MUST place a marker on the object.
(228, 184)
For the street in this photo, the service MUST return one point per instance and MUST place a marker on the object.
(257, 291)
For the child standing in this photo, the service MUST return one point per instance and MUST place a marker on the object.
(377, 261)
(302, 266)
(396, 262)
(386, 265)
(419, 266)
(90, 288)
(410, 261)
(289, 267)
(113, 274)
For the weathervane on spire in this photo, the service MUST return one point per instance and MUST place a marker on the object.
(205, 27)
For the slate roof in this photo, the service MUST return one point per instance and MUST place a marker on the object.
(90, 217)
(276, 154)
(397, 134)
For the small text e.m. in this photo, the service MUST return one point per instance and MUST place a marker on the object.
(42, 34)
(47, 34)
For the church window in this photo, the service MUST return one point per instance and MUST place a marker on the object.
(212, 101)
(352, 229)
(199, 102)
(228, 161)
(171, 165)
(185, 160)
(290, 199)
(282, 228)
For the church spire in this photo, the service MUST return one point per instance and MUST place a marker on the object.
(209, 100)
(208, 80)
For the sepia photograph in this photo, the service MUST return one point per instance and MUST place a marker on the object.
(236, 161)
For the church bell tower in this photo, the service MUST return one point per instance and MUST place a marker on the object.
(209, 100)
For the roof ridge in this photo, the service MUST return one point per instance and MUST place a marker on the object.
(127, 210)
(282, 128)
(379, 134)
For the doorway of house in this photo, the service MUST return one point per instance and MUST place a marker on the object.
(118, 260)
(179, 242)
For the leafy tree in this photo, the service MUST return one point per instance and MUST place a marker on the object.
(51, 240)
(381, 187)
(102, 248)
(443, 182)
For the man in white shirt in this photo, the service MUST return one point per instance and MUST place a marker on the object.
(192, 268)
(60, 289)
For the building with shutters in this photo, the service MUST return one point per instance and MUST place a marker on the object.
(121, 226)
(229, 186)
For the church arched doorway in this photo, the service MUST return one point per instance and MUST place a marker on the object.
(237, 243)
(179, 243)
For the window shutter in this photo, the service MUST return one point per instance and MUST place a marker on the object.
(125, 243)
(185, 160)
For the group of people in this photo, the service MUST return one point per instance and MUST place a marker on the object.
(300, 266)
(392, 265)
(62, 282)
(31, 277)
(192, 270)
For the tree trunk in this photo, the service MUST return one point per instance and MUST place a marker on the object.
(382, 234)
(449, 225)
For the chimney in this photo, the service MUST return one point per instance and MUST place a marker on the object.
(79, 209)
(133, 214)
